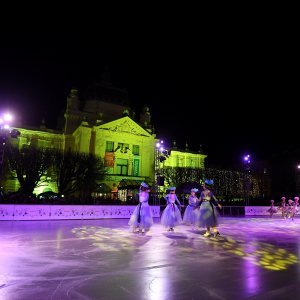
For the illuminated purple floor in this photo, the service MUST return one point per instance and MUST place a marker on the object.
(255, 258)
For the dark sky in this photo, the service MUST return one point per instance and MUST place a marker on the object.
(233, 95)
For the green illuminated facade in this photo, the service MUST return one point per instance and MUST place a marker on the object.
(185, 159)
(109, 130)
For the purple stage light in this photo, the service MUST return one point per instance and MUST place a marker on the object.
(247, 158)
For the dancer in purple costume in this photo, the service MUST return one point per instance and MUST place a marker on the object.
(141, 219)
(171, 215)
(295, 208)
(283, 207)
(190, 211)
(272, 210)
(208, 215)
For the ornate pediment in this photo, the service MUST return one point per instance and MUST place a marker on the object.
(125, 125)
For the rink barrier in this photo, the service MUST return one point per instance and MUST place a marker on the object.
(259, 211)
(238, 211)
(65, 212)
(68, 212)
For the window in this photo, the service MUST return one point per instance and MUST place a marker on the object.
(122, 166)
(123, 147)
(192, 163)
(109, 146)
(136, 150)
(180, 161)
(136, 167)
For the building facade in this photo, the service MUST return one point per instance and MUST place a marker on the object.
(107, 127)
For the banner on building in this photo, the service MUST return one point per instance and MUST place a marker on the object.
(109, 159)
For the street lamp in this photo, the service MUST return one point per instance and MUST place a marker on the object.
(297, 179)
(5, 131)
(247, 168)
(5, 121)
(247, 158)
(161, 154)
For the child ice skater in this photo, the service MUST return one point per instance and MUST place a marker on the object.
(171, 215)
(272, 210)
(295, 208)
(283, 207)
(141, 219)
(190, 211)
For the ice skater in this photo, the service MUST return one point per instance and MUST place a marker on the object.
(289, 209)
(190, 211)
(141, 219)
(208, 215)
(272, 210)
(171, 215)
(295, 208)
(283, 207)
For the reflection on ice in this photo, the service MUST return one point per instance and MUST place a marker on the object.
(102, 259)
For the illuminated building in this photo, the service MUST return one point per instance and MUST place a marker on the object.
(103, 124)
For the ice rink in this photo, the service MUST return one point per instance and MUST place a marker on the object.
(254, 258)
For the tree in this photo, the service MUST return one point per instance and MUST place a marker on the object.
(29, 165)
(77, 172)
(65, 170)
(92, 171)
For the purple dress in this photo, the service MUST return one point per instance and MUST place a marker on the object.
(208, 214)
(171, 215)
(190, 211)
(272, 209)
(142, 214)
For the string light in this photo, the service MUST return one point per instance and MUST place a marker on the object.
(227, 184)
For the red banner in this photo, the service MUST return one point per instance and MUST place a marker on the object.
(109, 159)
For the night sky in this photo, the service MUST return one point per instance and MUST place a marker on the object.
(236, 95)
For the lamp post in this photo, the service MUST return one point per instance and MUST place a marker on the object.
(297, 179)
(161, 155)
(247, 167)
(157, 172)
(5, 121)
(5, 131)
